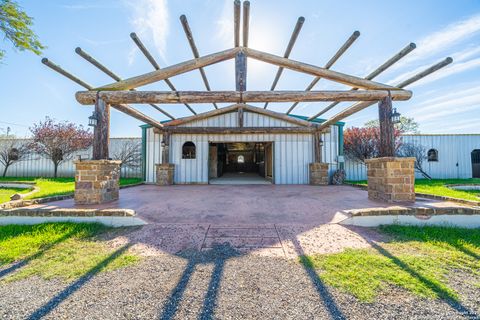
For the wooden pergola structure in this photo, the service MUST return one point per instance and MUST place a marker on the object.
(364, 92)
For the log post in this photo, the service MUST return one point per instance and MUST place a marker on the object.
(101, 132)
(241, 72)
(240, 117)
(317, 140)
(166, 147)
(387, 141)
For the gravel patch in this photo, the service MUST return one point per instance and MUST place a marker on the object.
(220, 283)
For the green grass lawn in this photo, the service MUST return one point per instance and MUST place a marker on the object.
(438, 187)
(418, 259)
(57, 250)
(5, 193)
(59, 186)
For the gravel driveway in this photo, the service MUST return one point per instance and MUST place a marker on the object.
(220, 282)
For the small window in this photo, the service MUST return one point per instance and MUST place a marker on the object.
(188, 150)
(241, 159)
(432, 155)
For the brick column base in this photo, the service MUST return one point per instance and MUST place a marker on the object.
(165, 172)
(96, 181)
(391, 179)
(318, 173)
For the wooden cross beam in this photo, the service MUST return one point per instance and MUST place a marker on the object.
(330, 63)
(171, 71)
(387, 64)
(110, 73)
(155, 65)
(114, 97)
(346, 79)
(291, 43)
(196, 55)
(359, 106)
(120, 107)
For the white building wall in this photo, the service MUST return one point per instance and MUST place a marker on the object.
(292, 153)
(37, 166)
(454, 156)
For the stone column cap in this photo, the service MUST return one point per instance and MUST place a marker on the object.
(104, 161)
(390, 159)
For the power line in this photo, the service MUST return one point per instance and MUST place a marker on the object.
(14, 124)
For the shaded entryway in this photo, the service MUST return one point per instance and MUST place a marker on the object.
(476, 163)
(241, 163)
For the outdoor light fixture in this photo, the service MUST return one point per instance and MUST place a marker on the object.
(395, 116)
(93, 119)
(163, 143)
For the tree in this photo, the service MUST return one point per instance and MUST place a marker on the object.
(15, 24)
(406, 125)
(130, 153)
(415, 151)
(364, 143)
(11, 151)
(58, 141)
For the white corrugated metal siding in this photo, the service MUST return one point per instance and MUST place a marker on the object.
(454, 156)
(292, 152)
(37, 166)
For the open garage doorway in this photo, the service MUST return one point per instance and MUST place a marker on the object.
(241, 163)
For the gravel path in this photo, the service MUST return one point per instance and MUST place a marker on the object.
(219, 283)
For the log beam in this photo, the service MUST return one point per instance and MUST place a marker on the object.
(196, 55)
(330, 63)
(387, 64)
(115, 97)
(359, 106)
(246, 22)
(112, 75)
(236, 23)
(101, 132)
(155, 65)
(120, 107)
(339, 77)
(171, 71)
(291, 43)
(234, 130)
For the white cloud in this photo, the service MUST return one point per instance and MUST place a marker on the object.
(442, 40)
(225, 24)
(451, 104)
(150, 20)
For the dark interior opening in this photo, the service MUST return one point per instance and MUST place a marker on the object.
(248, 158)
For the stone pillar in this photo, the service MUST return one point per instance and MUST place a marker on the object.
(319, 173)
(165, 172)
(391, 179)
(96, 181)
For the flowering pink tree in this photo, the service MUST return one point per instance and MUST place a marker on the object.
(364, 143)
(58, 141)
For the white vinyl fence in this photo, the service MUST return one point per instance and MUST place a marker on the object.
(454, 156)
(37, 166)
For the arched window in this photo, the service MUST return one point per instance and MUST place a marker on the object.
(188, 150)
(13, 154)
(432, 155)
(241, 159)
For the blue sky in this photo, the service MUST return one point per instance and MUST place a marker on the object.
(446, 102)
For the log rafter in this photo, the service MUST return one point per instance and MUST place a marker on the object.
(196, 55)
(330, 63)
(154, 63)
(359, 106)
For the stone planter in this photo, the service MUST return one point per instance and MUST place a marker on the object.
(96, 181)
(391, 179)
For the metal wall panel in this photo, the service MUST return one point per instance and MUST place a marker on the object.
(292, 154)
(454, 156)
(37, 166)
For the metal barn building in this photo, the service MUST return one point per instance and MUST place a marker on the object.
(448, 156)
(260, 155)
